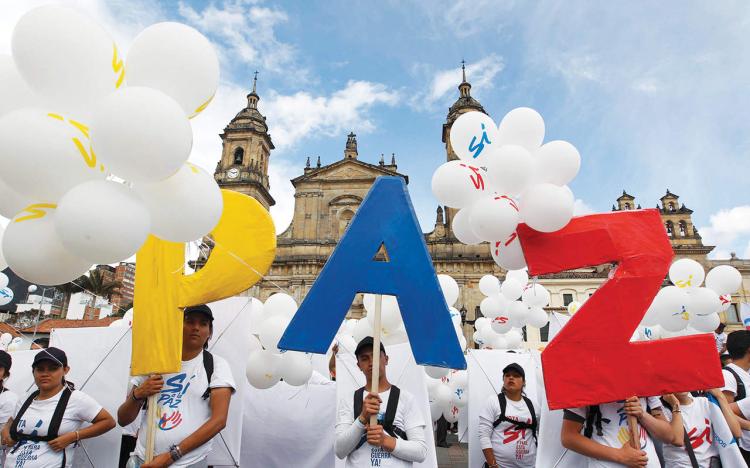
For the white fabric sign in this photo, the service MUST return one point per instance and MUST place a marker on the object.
(486, 379)
(403, 372)
(288, 426)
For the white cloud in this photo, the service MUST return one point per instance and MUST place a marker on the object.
(729, 231)
(581, 208)
(443, 83)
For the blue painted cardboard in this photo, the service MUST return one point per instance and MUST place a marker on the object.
(386, 217)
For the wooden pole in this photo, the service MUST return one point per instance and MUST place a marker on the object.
(374, 388)
(151, 415)
(635, 433)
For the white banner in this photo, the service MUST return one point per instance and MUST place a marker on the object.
(403, 372)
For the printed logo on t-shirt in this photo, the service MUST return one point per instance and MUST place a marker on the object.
(377, 455)
(514, 434)
(696, 440)
(170, 399)
(623, 435)
(27, 450)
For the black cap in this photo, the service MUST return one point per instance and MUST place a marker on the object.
(5, 361)
(516, 368)
(738, 342)
(200, 309)
(55, 355)
(367, 341)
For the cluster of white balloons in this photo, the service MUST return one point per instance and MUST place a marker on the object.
(267, 364)
(6, 294)
(507, 308)
(8, 343)
(448, 392)
(686, 307)
(504, 176)
(94, 145)
(125, 321)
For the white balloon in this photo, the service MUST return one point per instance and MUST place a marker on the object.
(436, 411)
(178, 61)
(254, 343)
(89, 220)
(362, 329)
(6, 295)
(511, 168)
(704, 301)
(494, 217)
(15, 93)
(537, 317)
(547, 207)
(522, 126)
(518, 313)
(514, 339)
(43, 155)
(11, 202)
(3, 263)
(520, 275)
(461, 227)
(508, 253)
(573, 307)
(511, 289)
(472, 135)
(436, 372)
(394, 336)
(451, 413)
(295, 368)
(35, 253)
(6, 338)
(257, 316)
(649, 333)
(455, 316)
(502, 323)
(141, 134)
(349, 326)
(3, 279)
(724, 279)
(280, 304)
(492, 307)
(671, 307)
(462, 342)
(481, 323)
(489, 285)
(705, 323)
(536, 296)
(262, 369)
(458, 184)
(458, 385)
(119, 324)
(558, 162)
(185, 206)
(726, 299)
(450, 289)
(686, 273)
(271, 330)
(67, 58)
(478, 338)
(499, 342)
(347, 343)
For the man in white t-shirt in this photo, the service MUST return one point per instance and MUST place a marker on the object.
(192, 407)
(398, 439)
(720, 338)
(508, 437)
(606, 434)
(737, 381)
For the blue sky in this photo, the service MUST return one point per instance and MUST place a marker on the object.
(654, 95)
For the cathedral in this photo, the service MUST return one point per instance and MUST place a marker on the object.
(327, 197)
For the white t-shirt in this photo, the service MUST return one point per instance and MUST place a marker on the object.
(408, 416)
(512, 447)
(616, 433)
(696, 418)
(8, 402)
(81, 409)
(182, 409)
(730, 385)
(721, 340)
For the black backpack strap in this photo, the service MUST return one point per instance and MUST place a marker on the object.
(24, 407)
(593, 421)
(741, 392)
(503, 404)
(208, 365)
(689, 450)
(359, 396)
(57, 416)
(530, 405)
(390, 415)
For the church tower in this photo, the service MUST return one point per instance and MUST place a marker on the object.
(464, 103)
(246, 149)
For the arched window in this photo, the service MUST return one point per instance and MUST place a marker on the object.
(683, 229)
(627, 206)
(670, 229)
(671, 206)
(239, 155)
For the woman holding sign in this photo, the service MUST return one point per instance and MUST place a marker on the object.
(508, 424)
(48, 425)
(8, 399)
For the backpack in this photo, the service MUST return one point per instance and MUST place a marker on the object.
(390, 413)
(54, 424)
(521, 425)
(741, 392)
(208, 365)
(688, 444)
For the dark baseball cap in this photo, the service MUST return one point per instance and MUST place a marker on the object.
(200, 309)
(5, 361)
(367, 341)
(515, 368)
(55, 355)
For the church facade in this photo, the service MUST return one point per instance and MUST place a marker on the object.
(327, 197)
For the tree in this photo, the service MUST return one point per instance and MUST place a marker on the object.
(98, 285)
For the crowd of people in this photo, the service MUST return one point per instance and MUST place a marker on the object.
(42, 428)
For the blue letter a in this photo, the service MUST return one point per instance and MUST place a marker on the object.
(386, 217)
